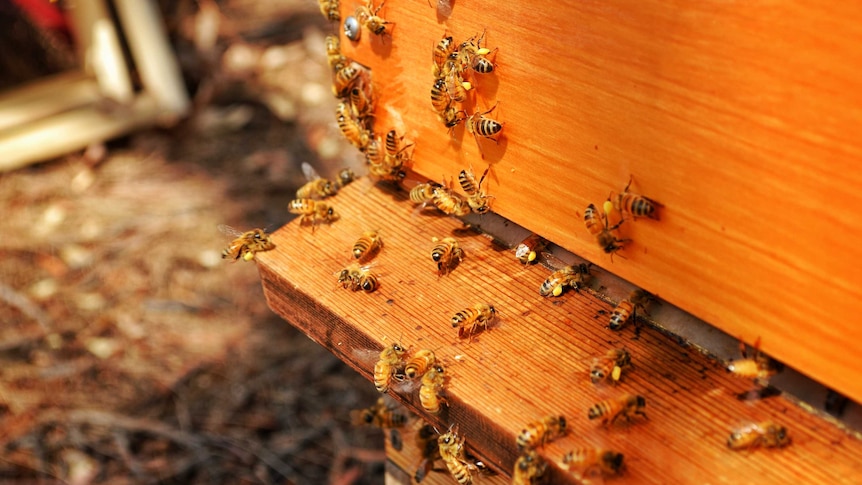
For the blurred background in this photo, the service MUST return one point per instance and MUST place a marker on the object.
(130, 352)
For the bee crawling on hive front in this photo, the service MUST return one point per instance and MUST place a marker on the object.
(453, 453)
(528, 251)
(245, 244)
(389, 365)
(367, 245)
(529, 468)
(762, 435)
(633, 205)
(477, 199)
(576, 277)
(480, 125)
(597, 225)
(431, 390)
(447, 253)
(367, 17)
(381, 414)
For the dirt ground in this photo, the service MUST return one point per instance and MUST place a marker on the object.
(130, 352)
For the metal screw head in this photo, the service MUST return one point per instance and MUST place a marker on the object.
(352, 28)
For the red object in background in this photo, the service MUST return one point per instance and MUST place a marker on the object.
(44, 14)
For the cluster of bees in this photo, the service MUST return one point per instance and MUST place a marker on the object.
(453, 65)
(450, 202)
(627, 205)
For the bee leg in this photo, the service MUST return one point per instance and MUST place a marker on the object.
(631, 177)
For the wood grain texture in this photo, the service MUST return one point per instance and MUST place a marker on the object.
(740, 118)
(535, 360)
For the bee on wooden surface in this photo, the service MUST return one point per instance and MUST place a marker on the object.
(635, 205)
(313, 211)
(355, 278)
(440, 54)
(361, 100)
(471, 55)
(452, 452)
(593, 462)
(426, 442)
(480, 125)
(245, 244)
(626, 309)
(421, 361)
(329, 9)
(528, 251)
(387, 366)
(423, 193)
(450, 203)
(597, 225)
(610, 366)
(447, 254)
(431, 389)
(765, 435)
(316, 187)
(760, 367)
(367, 16)
(529, 467)
(576, 277)
(379, 414)
(626, 406)
(469, 320)
(542, 431)
(395, 156)
(456, 86)
(476, 197)
(367, 245)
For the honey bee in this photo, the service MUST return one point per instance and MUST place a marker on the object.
(353, 130)
(316, 187)
(426, 443)
(529, 467)
(344, 79)
(610, 366)
(479, 125)
(337, 61)
(345, 177)
(472, 56)
(450, 202)
(387, 366)
(421, 361)
(625, 309)
(367, 245)
(361, 100)
(529, 249)
(395, 156)
(380, 415)
(329, 9)
(467, 321)
(355, 278)
(313, 211)
(456, 87)
(760, 367)
(591, 462)
(627, 406)
(765, 435)
(423, 193)
(433, 382)
(452, 452)
(452, 117)
(440, 98)
(245, 244)
(367, 16)
(477, 199)
(542, 431)
(597, 225)
(447, 254)
(576, 277)
(440, 54)
(636, 205)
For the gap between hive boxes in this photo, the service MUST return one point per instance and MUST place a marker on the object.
(534, 361)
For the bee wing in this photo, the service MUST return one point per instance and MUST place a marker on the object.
(309, 172)
(229, 231)
(552, 261)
